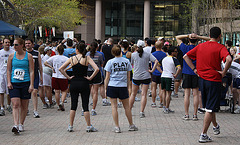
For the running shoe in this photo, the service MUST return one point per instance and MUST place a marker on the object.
(204, 139)
(150, 94)
(61, 107)
(65, 101)
(106, 103)
(45, 106)
(216, 130)
(195, 118)
(137, 99)
(91, 129)
(20, 128)
(91, 103)
(142, 115)
(2, 112)
(186, 117)
(153, 105)
(70, 128)
(9, 108)
(170, 111)
(237, 111)
(161, 105)
(165, 111)
(94, 113)
(15, 129)
(119, 104)
(82, 113)
(158, 98)
(132, 128)
(117, 130)
(35, 114)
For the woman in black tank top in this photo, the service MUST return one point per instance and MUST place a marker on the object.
(80, 83)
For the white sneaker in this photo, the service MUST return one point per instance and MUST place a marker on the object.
(237, 111)
(35, 114)
(137, 99)
(20, 128)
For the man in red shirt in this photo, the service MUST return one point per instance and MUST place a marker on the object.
(209, 56)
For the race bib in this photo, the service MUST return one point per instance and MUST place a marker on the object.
(19, 74)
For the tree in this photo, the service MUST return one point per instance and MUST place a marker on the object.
(62, 14)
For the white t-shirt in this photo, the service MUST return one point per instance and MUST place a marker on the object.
(4, 59)
(147, 49)
(46, 69)
(169, 65)
(57, 61)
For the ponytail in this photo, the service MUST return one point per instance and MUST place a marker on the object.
(93, 48)
(140, 51)
(81, 47)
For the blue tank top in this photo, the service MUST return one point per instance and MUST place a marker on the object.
(20, 69)
(124, 55)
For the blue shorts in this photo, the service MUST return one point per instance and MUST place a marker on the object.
(211, 94)
(236, 83)
(20, 90)
(117, 92)
(36, 81)
(139, 82)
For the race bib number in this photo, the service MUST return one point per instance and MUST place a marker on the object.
(19, 74)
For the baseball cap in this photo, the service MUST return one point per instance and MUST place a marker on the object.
(166, 43)
(160, 38)
(140, 43)
(47, 48)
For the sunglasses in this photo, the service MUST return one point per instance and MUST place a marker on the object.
(16, 44)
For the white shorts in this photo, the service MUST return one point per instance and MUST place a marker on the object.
(3, 84)
(47, 80)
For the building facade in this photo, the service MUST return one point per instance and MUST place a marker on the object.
(131, 19)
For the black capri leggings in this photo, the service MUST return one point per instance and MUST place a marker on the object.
(79, 87)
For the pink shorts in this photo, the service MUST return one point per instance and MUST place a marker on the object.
(59, 84)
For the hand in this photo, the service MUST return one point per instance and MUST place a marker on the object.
(222, 73)
(75, 40)
(30, 89)
(41, 80)
(53, 70)
(88, 78)
(195, 71)
(174, 75)
(150, 71)
(9, 85)
(69, 78)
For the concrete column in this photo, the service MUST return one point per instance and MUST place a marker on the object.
(146, 25)
(98, 19)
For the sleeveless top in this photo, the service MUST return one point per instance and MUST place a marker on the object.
(79, 70)
(20, 69)
(124, 55)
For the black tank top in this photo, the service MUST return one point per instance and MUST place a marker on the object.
(79, 70)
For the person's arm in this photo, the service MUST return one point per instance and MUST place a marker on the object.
(189, 63)
(9, 71)
(40, 68)
(154, 67)
(31, 72)
(94, 66)
(178, 71)
(48, 65)
(106, 81)
(63, 67)
(203, 37)
(227, 66)
(180, 37)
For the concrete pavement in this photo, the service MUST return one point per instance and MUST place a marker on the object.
(156, 128)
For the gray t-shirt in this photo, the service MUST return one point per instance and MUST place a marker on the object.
(141, 65)
(98, 59)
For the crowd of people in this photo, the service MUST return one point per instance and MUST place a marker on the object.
(120, 71)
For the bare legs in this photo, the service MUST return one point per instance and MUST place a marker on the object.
(128, 112)
(187, 92)
(20, 107)
(34, 99)
(208, 118)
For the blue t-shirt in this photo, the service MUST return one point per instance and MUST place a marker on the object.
(186, 69)
(159, 56)
(20, 69)
(69, 52)
(118, 68)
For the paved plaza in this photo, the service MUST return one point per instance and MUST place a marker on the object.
(156, 128)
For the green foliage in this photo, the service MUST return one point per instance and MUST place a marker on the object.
(63, 14)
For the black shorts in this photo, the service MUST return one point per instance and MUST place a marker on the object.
(97, 79)
(69, 73)
(167, 84)
(36, 81)
(20, 90)
(117, 92)
(156, 79)
(236, 83)
(139, 82)
(211, 95)
(190, 81)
